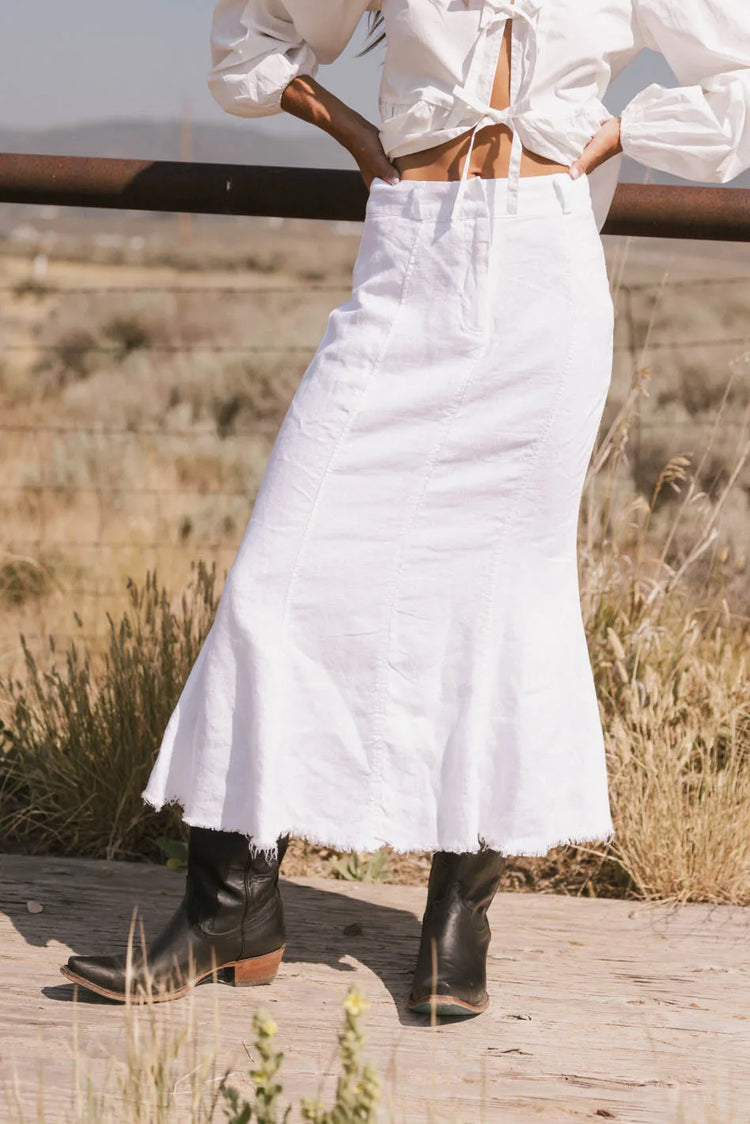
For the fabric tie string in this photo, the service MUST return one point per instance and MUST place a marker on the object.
(498, 12)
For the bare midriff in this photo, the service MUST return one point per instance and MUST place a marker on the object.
(490, 154)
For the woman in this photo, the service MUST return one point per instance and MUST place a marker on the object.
(399, 656)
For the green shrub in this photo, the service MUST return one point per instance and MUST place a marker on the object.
(356, 867)
(22, 580)
(74, 353)
(357, 1087)
(127, 333)
(31, 287)
(77, 750)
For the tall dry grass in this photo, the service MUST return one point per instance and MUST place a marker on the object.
(670, 663)
(168, 1072)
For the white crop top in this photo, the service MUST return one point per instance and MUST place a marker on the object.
(441, 57)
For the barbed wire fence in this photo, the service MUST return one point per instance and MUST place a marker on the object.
(34, 496)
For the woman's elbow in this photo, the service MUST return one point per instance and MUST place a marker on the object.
(254, 87)
(241, 96)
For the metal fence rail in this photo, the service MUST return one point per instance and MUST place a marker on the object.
(715, 213)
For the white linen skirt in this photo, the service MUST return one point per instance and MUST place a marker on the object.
(398, 655)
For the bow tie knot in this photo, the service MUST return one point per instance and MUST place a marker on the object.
(495, 10)
(488, 113)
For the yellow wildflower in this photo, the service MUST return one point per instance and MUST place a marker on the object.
(355, 1003)
(265, 1024)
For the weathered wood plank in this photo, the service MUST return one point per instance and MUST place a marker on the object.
(599, 1009)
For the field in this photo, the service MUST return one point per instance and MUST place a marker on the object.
(146, 363)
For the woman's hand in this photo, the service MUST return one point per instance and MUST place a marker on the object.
(364, 145)
(601, 147)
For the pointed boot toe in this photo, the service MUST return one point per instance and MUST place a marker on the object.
(102, 974)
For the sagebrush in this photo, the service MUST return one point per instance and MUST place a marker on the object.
(81, 739)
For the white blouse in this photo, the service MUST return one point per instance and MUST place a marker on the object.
(441, 57)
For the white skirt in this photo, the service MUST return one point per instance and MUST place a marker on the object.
(398, 656)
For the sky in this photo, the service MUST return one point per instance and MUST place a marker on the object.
(73, 61)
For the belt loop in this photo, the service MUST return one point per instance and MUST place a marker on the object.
(514, 173)
(415, 203)
(563, 184)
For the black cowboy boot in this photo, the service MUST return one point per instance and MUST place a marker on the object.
(459, 892)
(231, 917)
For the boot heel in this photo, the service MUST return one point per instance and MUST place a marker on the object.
(258, 969)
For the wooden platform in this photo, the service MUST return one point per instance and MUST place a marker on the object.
(599, 1009)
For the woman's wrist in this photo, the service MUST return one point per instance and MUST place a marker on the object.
(305, 98)
(356, 132)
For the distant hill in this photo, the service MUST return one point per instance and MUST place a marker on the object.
(237, 142)
(279, 140)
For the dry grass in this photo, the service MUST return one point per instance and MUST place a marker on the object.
(164, 445)
(669, 658)
(168, 1072)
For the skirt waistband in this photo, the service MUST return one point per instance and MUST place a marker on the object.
(436, 199)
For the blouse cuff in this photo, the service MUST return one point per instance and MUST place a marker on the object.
(257, 91)
(675, 131)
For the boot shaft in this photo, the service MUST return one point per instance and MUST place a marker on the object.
(224, 880)
(470, 877)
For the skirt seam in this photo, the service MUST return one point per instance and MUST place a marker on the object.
(375, 367)
(499, 553)
(377, 742)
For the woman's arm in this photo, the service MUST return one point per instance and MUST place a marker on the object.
(265, 55)
(304, 97)
(701, 129)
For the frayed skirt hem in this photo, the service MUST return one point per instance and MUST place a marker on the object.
(534, 847)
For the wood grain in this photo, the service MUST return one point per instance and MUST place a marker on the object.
(599, 1009)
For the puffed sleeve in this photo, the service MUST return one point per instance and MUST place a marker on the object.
(701, 129)
(259, 46)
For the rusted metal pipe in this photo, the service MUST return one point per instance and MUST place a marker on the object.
(716, 213)
(165, 185)
(661, 211)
